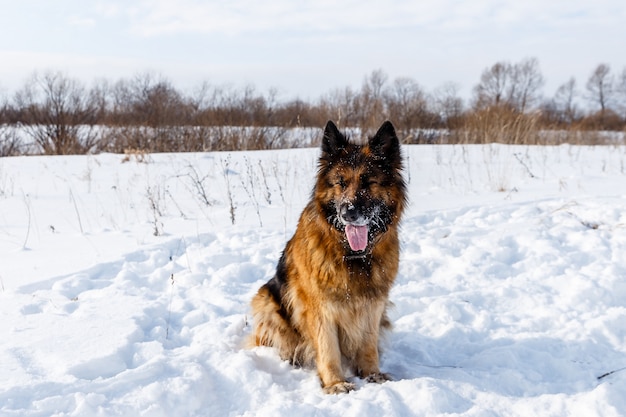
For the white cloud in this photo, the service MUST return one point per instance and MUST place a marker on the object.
(80, 21)
(290, 43)
(150, 18)
(108, 9)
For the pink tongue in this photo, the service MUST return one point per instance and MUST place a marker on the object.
(357, 237)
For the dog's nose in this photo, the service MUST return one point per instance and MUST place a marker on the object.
(349, 213)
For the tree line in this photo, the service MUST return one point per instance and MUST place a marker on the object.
(56, 114)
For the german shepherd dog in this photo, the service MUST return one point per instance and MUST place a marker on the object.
(327, 303)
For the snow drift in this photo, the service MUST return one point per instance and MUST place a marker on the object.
(125, 286)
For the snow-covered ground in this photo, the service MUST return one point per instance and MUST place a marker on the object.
(124, 286)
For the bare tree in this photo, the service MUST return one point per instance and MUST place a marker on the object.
(10, 143)
(493, 86)
(374, 84)
(151, 114)
(600, 87)
(448, 104)
(342, 106)
(525, 86)
(512, 85)
(58, 114)
(562, 108)
(406, 105)
(370, 106)
(621, 94)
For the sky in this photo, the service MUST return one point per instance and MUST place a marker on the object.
(306, 49)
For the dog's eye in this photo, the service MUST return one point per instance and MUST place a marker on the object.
(341, 182)
(368, 182)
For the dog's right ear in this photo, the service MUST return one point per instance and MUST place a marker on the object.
(333, 140)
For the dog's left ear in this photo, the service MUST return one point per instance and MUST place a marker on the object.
(385, 143)
(333, 141)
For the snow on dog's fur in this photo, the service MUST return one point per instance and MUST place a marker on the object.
(327, 303)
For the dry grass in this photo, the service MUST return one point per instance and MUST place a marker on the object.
(499, 125)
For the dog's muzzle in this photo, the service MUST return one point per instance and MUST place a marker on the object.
(356, 226)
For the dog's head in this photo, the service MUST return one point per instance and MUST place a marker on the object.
(360, 188)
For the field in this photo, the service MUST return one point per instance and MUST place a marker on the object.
(125, 283)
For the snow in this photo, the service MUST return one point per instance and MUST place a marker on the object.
(125, 286)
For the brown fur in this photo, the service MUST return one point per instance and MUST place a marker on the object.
(327, 303)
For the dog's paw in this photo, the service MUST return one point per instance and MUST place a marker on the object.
(378, 377)
(342, 387)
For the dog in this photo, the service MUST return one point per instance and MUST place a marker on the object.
(326, 305)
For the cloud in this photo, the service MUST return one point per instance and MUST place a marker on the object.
(149, 18)
(294, 43)
(153, 18)
(79, 21)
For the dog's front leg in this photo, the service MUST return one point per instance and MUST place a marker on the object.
(367, 356)
(329, 360)
(367, 363)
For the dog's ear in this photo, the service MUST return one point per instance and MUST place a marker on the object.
(333, 140)
(385, 143)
